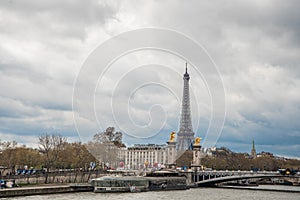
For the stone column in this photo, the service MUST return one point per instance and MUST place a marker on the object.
(171, 153)
(196, 164)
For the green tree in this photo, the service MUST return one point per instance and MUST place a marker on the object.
(8, 154)
(25, 156)
(109, 136)
(105, 147)
(75, 155)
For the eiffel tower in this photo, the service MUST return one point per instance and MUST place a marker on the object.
(185, 136)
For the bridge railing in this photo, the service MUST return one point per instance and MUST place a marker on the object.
(213, 174)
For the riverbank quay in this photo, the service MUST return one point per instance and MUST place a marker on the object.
(64, 177)
(273, 188)
(44, 189)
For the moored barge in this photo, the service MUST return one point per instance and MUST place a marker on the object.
(138, 183)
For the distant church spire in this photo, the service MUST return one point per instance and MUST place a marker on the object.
(253, 150)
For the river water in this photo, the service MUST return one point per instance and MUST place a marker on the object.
(192, 194)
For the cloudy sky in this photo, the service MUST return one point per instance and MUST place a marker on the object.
(248, 71)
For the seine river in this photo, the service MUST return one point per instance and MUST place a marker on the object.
(192, 194)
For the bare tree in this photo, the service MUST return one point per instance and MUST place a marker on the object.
(7, 151)
(51, 147)
(7, 145)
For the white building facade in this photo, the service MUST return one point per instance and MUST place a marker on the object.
(142, 156)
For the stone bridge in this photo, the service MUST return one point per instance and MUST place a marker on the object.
(211, 178)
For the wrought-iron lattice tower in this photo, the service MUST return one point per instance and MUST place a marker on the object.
(185, 136)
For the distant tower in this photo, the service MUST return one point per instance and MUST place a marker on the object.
(185, 135)
(253, 151)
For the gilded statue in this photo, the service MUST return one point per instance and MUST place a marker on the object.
(197, 140)
(172, 137)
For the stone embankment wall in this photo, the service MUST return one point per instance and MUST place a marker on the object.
(65, 177)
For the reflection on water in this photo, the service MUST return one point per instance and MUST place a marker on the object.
(192, 194)
(280, 187)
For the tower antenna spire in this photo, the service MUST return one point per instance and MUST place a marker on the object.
(186, 67)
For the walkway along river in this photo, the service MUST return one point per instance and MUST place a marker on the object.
(192, 194)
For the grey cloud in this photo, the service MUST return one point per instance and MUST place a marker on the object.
(254, 43)
(11, 108)
(274, 18)
(69, 18)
